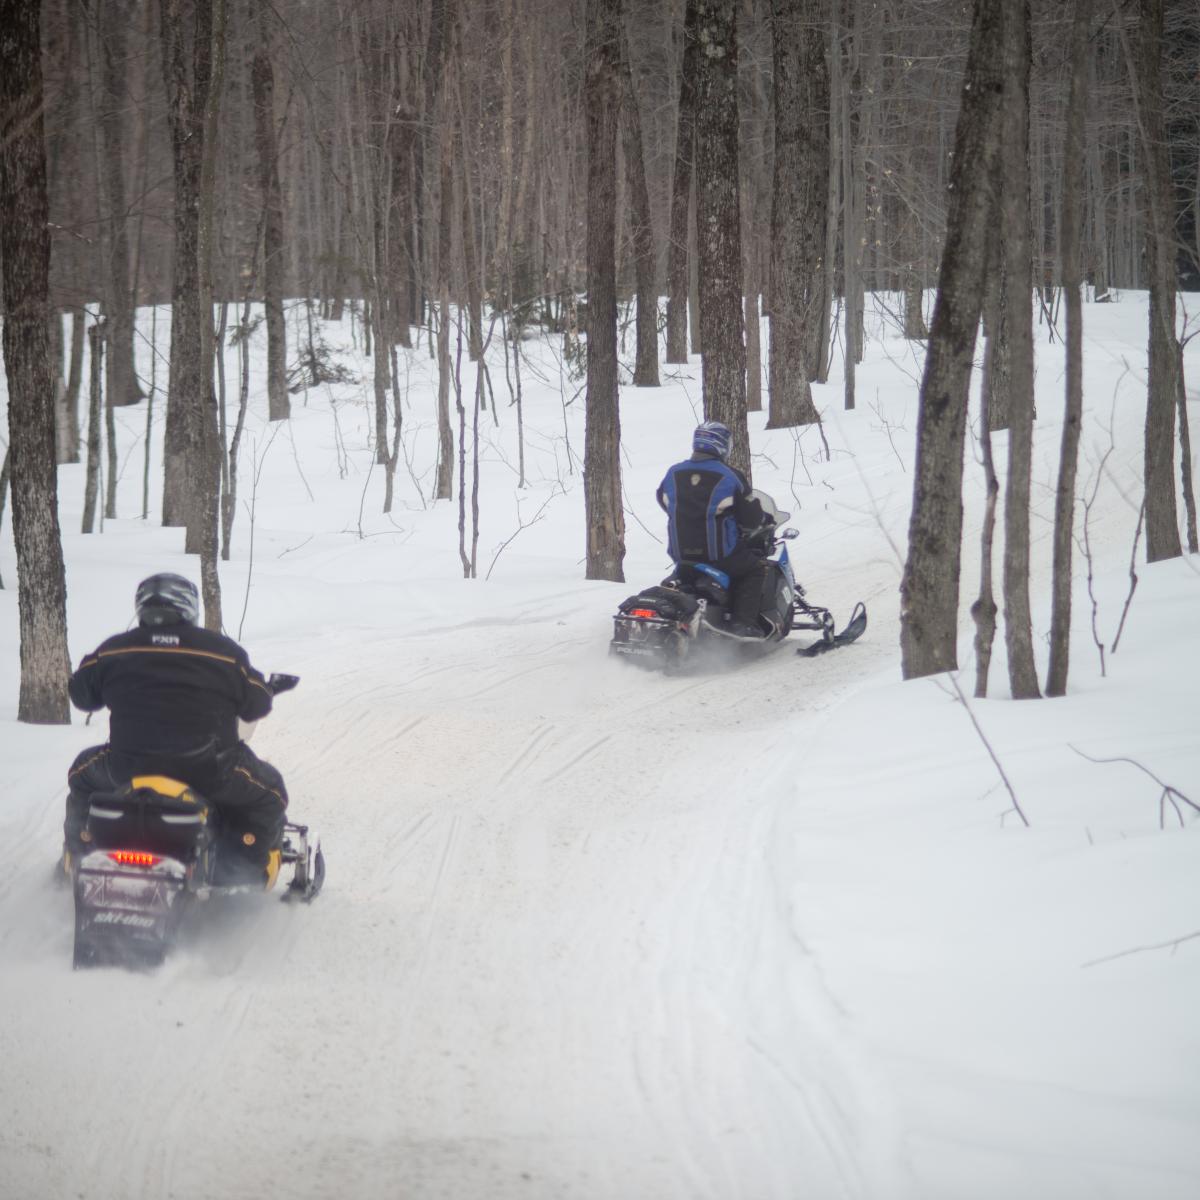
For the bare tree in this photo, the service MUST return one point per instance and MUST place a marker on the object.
(1013, 211)
(25, 255)
(1162, 516)
(719, 223)
(602, 462)
(929, 588)
(682, 186)
(121, 386)
(798, 207)
(1072, 268)
(645, 371)
(187, 83)
(262, 76)
(91, 486)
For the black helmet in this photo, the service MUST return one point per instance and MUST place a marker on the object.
(167, 600)
(712, 438)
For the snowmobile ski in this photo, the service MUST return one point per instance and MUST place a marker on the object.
(822, 619)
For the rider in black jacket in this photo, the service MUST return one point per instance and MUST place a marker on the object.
(175, 694)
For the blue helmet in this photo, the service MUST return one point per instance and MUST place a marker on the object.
(712, 438)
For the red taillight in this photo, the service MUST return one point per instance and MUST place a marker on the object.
(134, 858)
(645, 613)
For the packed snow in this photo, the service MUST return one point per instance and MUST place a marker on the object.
(592, 932)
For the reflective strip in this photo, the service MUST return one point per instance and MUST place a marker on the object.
(233, 662)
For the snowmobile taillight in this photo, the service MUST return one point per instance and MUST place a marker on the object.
(644, 613)
(134, 858)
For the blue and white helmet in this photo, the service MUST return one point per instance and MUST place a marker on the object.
(712, 438)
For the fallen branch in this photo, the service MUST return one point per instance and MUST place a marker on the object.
(962, 699)
(1170, 795)
(1171, 945)
(1133, 578)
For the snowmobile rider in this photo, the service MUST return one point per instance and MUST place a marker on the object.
(711, 515)
(175, 693)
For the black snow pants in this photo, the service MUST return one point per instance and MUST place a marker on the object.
(747, 570)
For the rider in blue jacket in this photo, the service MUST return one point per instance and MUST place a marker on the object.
(711, 510)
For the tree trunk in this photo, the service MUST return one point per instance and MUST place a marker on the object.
(1071, 228)
(833, 56)
(25, 253)
(798, 209)
(91, 486)
(439, 63)
(67, 427)
(262, 78)
(852, 168)
(1162, 516)
(381, 333)
(930, 584)
(1185, 462)
(445, 474)
(400, 149)
(5, 473)
(121, 383)
(1014, 224)
(645, 371)
(983, 611)
(997, 355)
(204, 531)
(187, 89)
(678, 276)
(602, 462)
(718, 223)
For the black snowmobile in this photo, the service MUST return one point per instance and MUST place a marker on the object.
(688, 615)
(152, 849)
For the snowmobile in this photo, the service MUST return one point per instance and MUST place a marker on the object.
(688, 615)
(152, 849)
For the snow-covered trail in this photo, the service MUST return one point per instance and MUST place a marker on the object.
(594, 933)
(526, 975)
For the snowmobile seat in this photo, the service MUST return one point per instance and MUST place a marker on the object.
(708, 581)
(152, 813)
(667, 602)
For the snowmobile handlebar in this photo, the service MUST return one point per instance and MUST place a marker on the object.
(277, 683)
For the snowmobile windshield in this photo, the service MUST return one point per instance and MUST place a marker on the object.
(774, 514)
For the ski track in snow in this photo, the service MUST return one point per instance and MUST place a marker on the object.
(477, 801)
(558, 954)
